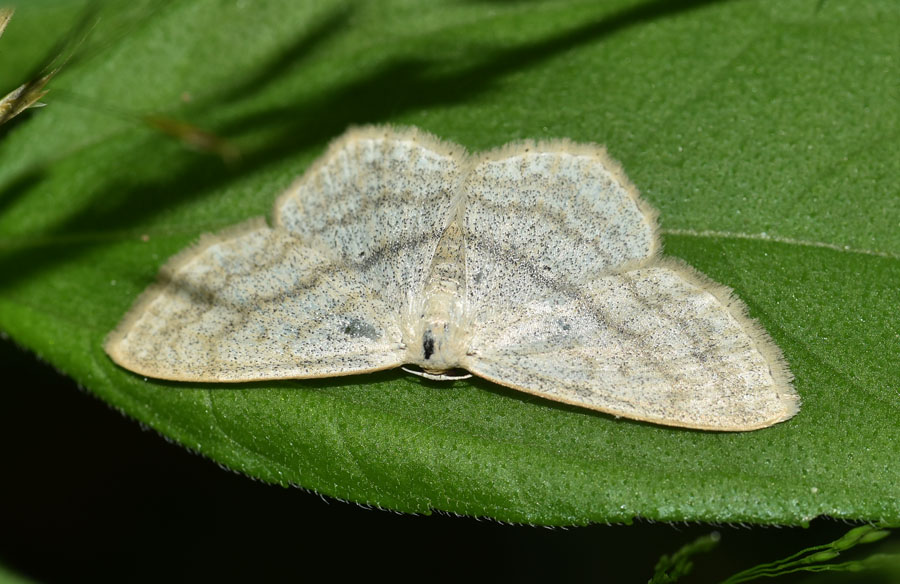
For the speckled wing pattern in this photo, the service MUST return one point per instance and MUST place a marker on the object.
(319, 294)
(536, 266)
(569, 300)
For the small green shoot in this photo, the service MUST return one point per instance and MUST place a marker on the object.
(814, 559)
(671, 568)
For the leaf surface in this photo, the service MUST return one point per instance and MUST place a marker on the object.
(765, 132)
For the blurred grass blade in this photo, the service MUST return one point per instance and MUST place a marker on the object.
(5, 15)
(194, 137)
(28, 94)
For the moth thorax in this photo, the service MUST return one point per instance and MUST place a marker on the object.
(440, 334)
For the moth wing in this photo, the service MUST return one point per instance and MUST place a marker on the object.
(323, 292)
(660, 343)
(253, 303)
(567, 298)
(379, 200)
(564, 209)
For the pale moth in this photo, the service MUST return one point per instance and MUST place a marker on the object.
(536, 266)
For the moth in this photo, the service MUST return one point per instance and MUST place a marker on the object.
(535, 265)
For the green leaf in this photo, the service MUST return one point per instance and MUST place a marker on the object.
(765, 131)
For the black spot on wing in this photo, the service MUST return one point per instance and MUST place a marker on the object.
(358, 328)
(428, 345)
